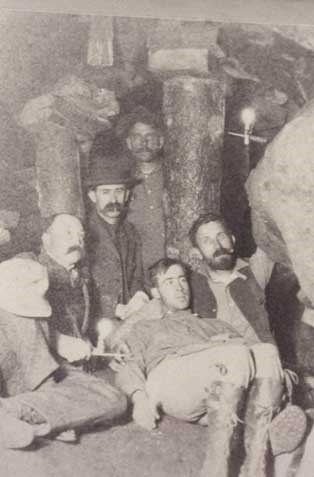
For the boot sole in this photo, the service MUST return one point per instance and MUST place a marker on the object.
(14, 434)
(287, 430)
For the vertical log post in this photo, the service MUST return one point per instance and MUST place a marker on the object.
(58, 172)
(194, 111)
(100, 42)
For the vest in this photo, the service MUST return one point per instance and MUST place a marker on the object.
(247, 295)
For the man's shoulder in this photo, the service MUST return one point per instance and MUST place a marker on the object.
(152, 310)
(243, 267)
(130, 229)
(197, 278)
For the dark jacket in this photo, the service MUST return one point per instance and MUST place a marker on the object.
(115, 264)
(69, 298)
(247, 295)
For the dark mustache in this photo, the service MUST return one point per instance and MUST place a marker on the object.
(144, 149)
(223, 252)
(113, 207)
(75, 248)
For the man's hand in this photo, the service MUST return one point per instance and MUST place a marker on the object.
(73, 349)
(5, 236)
(144, 414)
(135, 304)
(118, 362)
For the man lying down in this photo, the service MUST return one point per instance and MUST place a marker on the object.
(201, 370)
(39, 397)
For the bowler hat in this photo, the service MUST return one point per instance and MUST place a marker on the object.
(112, 169)
(23, 285)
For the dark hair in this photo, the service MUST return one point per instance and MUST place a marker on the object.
(139, 115)
(205, 219)
(161, 267)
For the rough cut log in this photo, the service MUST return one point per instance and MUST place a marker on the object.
(100, 42)
(194, 113)
(58, 121)
(281, 195)
(58, 172)
(170, 59)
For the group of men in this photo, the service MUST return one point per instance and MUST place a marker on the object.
(197, 345)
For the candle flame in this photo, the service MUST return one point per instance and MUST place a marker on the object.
(248, 117)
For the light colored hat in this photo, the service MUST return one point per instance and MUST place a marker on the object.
(23, 285)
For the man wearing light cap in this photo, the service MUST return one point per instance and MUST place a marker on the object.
(39, 397)
(143, 134)
(226, 288)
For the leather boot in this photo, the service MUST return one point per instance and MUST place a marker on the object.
(19, 424)
(224, 402)
(264, 402)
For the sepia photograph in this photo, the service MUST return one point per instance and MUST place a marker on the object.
(156, 244)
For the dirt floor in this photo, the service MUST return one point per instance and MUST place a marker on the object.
(175, 449)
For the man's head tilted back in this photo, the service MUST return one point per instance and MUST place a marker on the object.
(211, 236)
(170, 285)
(63, 240)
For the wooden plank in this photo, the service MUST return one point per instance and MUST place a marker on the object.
(100, 43)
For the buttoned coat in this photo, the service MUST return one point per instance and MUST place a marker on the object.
(117, 272)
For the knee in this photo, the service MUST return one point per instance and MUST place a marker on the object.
(267, 361)
(265, 351)
(120, 401)
(239, 364)
(238, 354)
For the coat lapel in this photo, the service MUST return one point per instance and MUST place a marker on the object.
(101, 235)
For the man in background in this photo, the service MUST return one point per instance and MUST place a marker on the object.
(143, 135)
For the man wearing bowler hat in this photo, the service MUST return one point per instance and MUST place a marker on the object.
(113, 243)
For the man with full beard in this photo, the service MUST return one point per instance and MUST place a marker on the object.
(114, 245)
(225, 288)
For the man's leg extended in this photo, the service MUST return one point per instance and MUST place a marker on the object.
(70, 400)
(264, 402)
(180, 384)
(214, 382)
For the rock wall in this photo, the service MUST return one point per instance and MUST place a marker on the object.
(281, 195)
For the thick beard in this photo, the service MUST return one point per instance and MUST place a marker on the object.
(222, 262)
